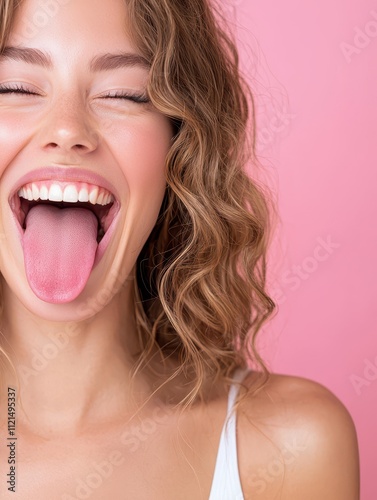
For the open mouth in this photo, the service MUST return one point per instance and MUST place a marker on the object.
(66, 195)
(65, 228)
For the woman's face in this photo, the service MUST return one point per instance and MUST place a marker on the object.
(74, 137)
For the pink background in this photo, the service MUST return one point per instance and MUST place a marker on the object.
(315, 82)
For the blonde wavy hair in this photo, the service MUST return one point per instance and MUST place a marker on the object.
(200, 289)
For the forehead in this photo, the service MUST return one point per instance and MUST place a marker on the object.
(71, 24)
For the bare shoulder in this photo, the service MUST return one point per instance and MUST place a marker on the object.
(296, 440)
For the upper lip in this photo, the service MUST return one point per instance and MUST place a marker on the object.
(64, 174)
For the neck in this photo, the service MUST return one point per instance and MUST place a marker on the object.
(72, 375)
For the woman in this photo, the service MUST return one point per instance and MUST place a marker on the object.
(133, 269)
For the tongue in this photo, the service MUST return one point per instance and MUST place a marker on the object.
(59, 251)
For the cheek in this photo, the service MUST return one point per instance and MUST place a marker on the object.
(13, 134)
(141, 152)
(141, 148)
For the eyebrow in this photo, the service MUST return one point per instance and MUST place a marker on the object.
(101, 62)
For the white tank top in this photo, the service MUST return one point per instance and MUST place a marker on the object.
(226, 484)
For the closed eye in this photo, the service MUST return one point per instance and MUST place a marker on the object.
(15, 89)
(138, 98)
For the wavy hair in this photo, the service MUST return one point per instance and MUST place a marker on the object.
(200, 288)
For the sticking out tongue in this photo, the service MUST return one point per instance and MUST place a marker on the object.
(59, 249)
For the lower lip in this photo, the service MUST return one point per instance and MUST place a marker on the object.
(103, 244)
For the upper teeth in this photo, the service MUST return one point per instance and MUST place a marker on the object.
(70, 193)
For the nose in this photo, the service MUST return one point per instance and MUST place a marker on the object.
(68, 129)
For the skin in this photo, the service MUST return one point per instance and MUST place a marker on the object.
(78, 413)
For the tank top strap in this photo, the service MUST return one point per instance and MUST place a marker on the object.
(226, 484)
(238, 376)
